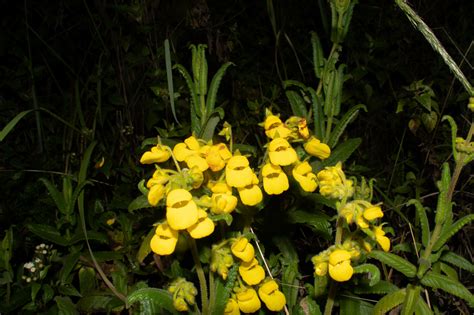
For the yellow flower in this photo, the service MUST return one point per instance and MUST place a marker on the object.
(303, 174)
(333, 183)
(221, 260)
(316, 148)
(232, 308)
(242, 249)
(273, 298)
(157, 154)
(380, 237)
(155, 194)
(251, 195)
(223, 203)
(274, 128)
(219, 187)
(181, 210)
(361, 222)
(203, 227)
(372, 213)
(192, 153)
(248, 301)
(340, 268)
(164, 241)
(281, 152)
(197, 161)
(251, 272)
(160, 177)
(303, 128)
(217, 156)
(348, 211)
(275, 180)
(238, 172)
(320, 263)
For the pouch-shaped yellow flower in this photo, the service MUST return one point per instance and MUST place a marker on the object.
(238, 172)
(217, 157)
(248, 301)
(340, 268)
(251, 272)
(181, 210)
(275, 180)
(316, 148)
(372, 213)
(380, 237)
(303, 174)
(160, 177)
(197, 161)
(164, 241)
(274, 128)
(273, 298)
(157, 154)
(232, 308)
(281, 152)
(250, 195)
(241, 248)
(203, 227)
(219, 187)
(223, 203)
(155, 194)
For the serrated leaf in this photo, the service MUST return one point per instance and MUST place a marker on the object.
(214, 87)
(340, 154)
(444, 205)
(65, 306)
(12, 123)
(289, 83)
(69, 262)
(454, 132)
(297, 103)
(290, 275)
(195, 111)
(353, 305)
(152, 300)
(381, 287)
(422, 308)
(348, 117)
(48, 233)
(319, 222)
(92, 235)
(58, 198)
(424, 224)
(411, 299)
(453, 229)
(372, 270)
(449, 271)
(140, 202)
(145, 249)
(437, 281)
(223, 291)
(318, 116)
(389, 302)
(318, 56)
(458, 261)
(307, 306)
(396, 262)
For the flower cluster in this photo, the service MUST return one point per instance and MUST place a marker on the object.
(35, 267)
(184, 294)
(281, 154)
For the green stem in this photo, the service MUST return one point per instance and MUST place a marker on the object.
(331, 298)
(211, 292)
(201, 276)
(339, 231)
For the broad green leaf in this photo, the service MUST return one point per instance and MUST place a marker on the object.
(152, 300)
(389, 302)
(214, 87)
(381, 287)
(69, 290)
(87, 280)
(353, 305)
(443, 206)
(424, 224)
(318, 221)
(396, 262)
(57, 196)
(65, 306)
(458, 261)
(453, 229)
(422, 308)
(297, 103)
(169, 78)
(91, 235)
(207, 131)
(411, 299)
(140, 202)
(341, 153)
(437, 281)
(48, 233)
(372, 271)
(307, 306)
(69, 262)
(345, 120)
(35, 287)
(145, 249)
(318, 55)
(6, 130)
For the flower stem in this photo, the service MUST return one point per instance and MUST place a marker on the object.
(331, 297)
(201, 276)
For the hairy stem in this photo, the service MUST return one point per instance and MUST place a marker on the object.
(201, 276)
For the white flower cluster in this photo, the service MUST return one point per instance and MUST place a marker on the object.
(34, 267)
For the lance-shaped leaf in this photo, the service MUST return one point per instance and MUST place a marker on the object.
(342, 152)
(381, 287)
(411, 299)
(422, 217)
(454, 131)
(396, 262)
(169, 78)
(58, 198)
(207, 131)
(297, 103)
(348, 117)
(195, 111)
(318, 56)
(372, 271)
(458, 261)
(389, 302)
(290, 269)
(222, 290)
(444, 205)
(422, 308)
(453, 229)
(318, 117)
(152, 301)
(202, 83)
(440, 282)
(9, 127)
(214, 87)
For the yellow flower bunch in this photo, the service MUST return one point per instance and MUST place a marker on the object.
(337, 260)
(333, 183)
(184, 293)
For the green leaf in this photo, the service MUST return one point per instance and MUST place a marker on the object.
(69, 262)
(353, 305)
(318, 221)
(396, 262)
(437, 281)
(389, 302)
(458, 261)
(48, 233)
(381, 287)
(424, 224)
(453, 229)
(145, 249)
(318, 55)
(207, 131)
(318, 116)
(454, 132)
(290, 269)
(290, 83)
(372, 270)
(152, 300)
(95, 303)
(227, 217)
(65, 306)
(449, 271)
(87, 280)
(422, 308)
(169, 78)
(411, 299)
(91, 235)
(140, 202)
(57, 196)
(6, 130)
(297, 103)
(348, 117)
(195, 110)
(77, 192)
(342, 152)
(308, 306)
(444, 205)
(222, 291)
(213, 88)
